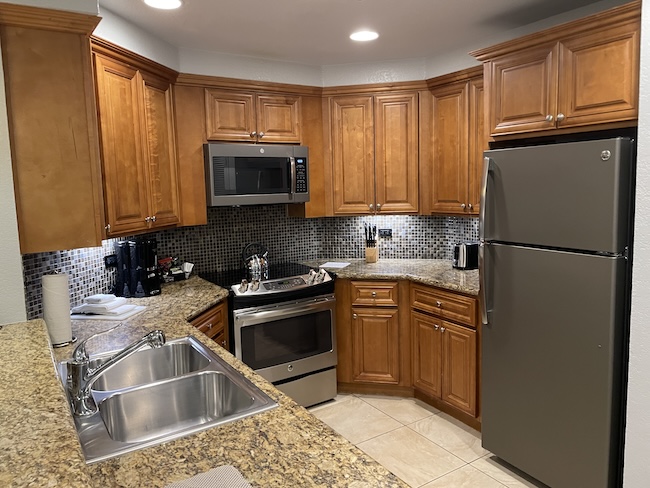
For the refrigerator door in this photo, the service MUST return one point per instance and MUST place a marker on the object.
(550, 363)
(571, 196)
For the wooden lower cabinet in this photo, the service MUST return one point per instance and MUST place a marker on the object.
(375, 345)
(214, 323)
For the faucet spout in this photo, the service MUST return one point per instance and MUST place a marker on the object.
(81, 377)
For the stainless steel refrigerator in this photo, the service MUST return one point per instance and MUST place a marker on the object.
(555, 283)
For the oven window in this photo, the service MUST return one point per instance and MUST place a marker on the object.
(285, 340)
(262, 175)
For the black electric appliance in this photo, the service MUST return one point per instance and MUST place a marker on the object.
(137, 268)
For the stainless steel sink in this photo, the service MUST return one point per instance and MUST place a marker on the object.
(157, 395)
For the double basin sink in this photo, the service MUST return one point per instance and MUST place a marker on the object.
(161, 394)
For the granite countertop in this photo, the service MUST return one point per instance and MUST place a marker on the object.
(434, 272)
(286, 446)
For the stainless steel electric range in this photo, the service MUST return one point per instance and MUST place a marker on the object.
(284, 328)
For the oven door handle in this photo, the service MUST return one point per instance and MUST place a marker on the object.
(259, 315)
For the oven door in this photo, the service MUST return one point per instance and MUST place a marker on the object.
(288, 339)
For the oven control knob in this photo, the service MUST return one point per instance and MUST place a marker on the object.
(255, 285)
(312, 276)
(243, 287)
(321, 275)
(290, 367)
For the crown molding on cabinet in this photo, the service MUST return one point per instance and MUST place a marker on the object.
(375, 88)
(237, 84)
(463, 75)
(47, 19)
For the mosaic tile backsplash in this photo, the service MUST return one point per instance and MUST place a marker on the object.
(218, 245)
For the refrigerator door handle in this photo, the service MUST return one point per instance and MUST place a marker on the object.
(482, 285)
(484, 187)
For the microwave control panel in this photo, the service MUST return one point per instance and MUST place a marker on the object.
(301, 175)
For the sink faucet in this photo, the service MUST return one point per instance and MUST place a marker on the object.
(81, 376)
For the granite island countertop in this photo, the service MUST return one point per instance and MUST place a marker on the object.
(286, 446)
(433, 272)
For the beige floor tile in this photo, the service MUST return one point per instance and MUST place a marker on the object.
(341, 397)
(404, 410)
(504, 474)
(465, 477)
(410, 456)
(356, 420)
(452, 435)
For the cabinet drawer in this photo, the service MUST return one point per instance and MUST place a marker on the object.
(212, 321)
(445, 304)
(374, 293)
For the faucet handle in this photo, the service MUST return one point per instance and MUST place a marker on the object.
(80, 353)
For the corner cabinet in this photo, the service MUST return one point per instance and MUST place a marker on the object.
(252, 117)
(577, 75)
(375, 164)
(452, 120)
(138, 147)
(213, 322)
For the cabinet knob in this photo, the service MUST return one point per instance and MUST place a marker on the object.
(378, 207)
(374, 294)
(549, 118)
(560, 117)
(108, 228)
(261, 134)
(462, 205)
(223, 344)
(470, 206)
(436, 327)
(439, 304)
(442, 329)
(147, 219)
(209, 326)
(354, 315)
(371, 206)
(253, 134)
(153, 219)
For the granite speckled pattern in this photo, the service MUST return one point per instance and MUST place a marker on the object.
(434, 272)
(286, 446)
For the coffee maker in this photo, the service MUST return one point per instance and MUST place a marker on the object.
(137, 268)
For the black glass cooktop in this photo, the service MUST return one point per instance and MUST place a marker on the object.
(226, 279)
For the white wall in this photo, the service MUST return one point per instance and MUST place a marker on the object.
(81, 6)
(637, 444)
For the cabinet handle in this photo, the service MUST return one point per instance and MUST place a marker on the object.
(354, 316)
(153, 219)
(560, 117)
(549, 118)
(210, 326)
(253, 134)
(371, 206)
(439, 304)
(442, 329)
(462, 205)
(223, 344)
(470, 206)
(374, 294)
(436, 327)
(378, 207)
(108, 228)
(147, 219)
(261, 134)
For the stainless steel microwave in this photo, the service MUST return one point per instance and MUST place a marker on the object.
(254, 174)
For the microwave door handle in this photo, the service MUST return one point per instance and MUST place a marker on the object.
(292, 162)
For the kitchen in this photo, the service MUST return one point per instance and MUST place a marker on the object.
(333, 229)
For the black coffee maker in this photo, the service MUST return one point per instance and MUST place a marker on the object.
(137, 268)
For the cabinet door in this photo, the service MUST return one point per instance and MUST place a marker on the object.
(523, 90)
(230, 116)
(459, 366)
(214, 323)
(427, 353)
(478, 142)
(450, 154)
(353, 154)
(160, 151)
(599, 77)
(396, 153)
(278, 118)
(122, 139)
(375, 345)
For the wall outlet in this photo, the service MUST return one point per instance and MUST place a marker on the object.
(110, 261)
(386, 233)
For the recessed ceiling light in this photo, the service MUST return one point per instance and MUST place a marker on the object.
(364, 36)
(164, 4)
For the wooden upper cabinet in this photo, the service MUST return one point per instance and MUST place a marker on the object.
(138, 146)
(396, 153)
(251, 117)
(580, 74)
(52, 122)
(375, 162)
(353, 154)
(451, 166)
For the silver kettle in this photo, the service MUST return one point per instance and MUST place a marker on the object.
(256, 261)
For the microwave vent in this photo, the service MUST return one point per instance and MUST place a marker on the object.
(219, 175)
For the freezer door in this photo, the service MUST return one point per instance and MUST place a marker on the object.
(571, 196)
(551, 363)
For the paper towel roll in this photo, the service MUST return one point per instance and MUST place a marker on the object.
(56, 308)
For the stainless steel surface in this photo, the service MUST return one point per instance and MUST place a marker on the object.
(585, 198)
(550, 357)
(281, 285)
(292, 165)
(310, 390)
(560, 117)
(203, 391)
(549, 118)
(484, 305)
(484, 187)
(80, 376)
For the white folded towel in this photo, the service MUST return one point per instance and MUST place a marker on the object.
(99, 298)
(109, 308)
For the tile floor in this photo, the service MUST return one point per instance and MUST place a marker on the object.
(424, 447)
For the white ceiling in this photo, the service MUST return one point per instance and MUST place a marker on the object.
(315, 32)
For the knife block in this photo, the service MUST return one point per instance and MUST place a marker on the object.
(372, 254)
